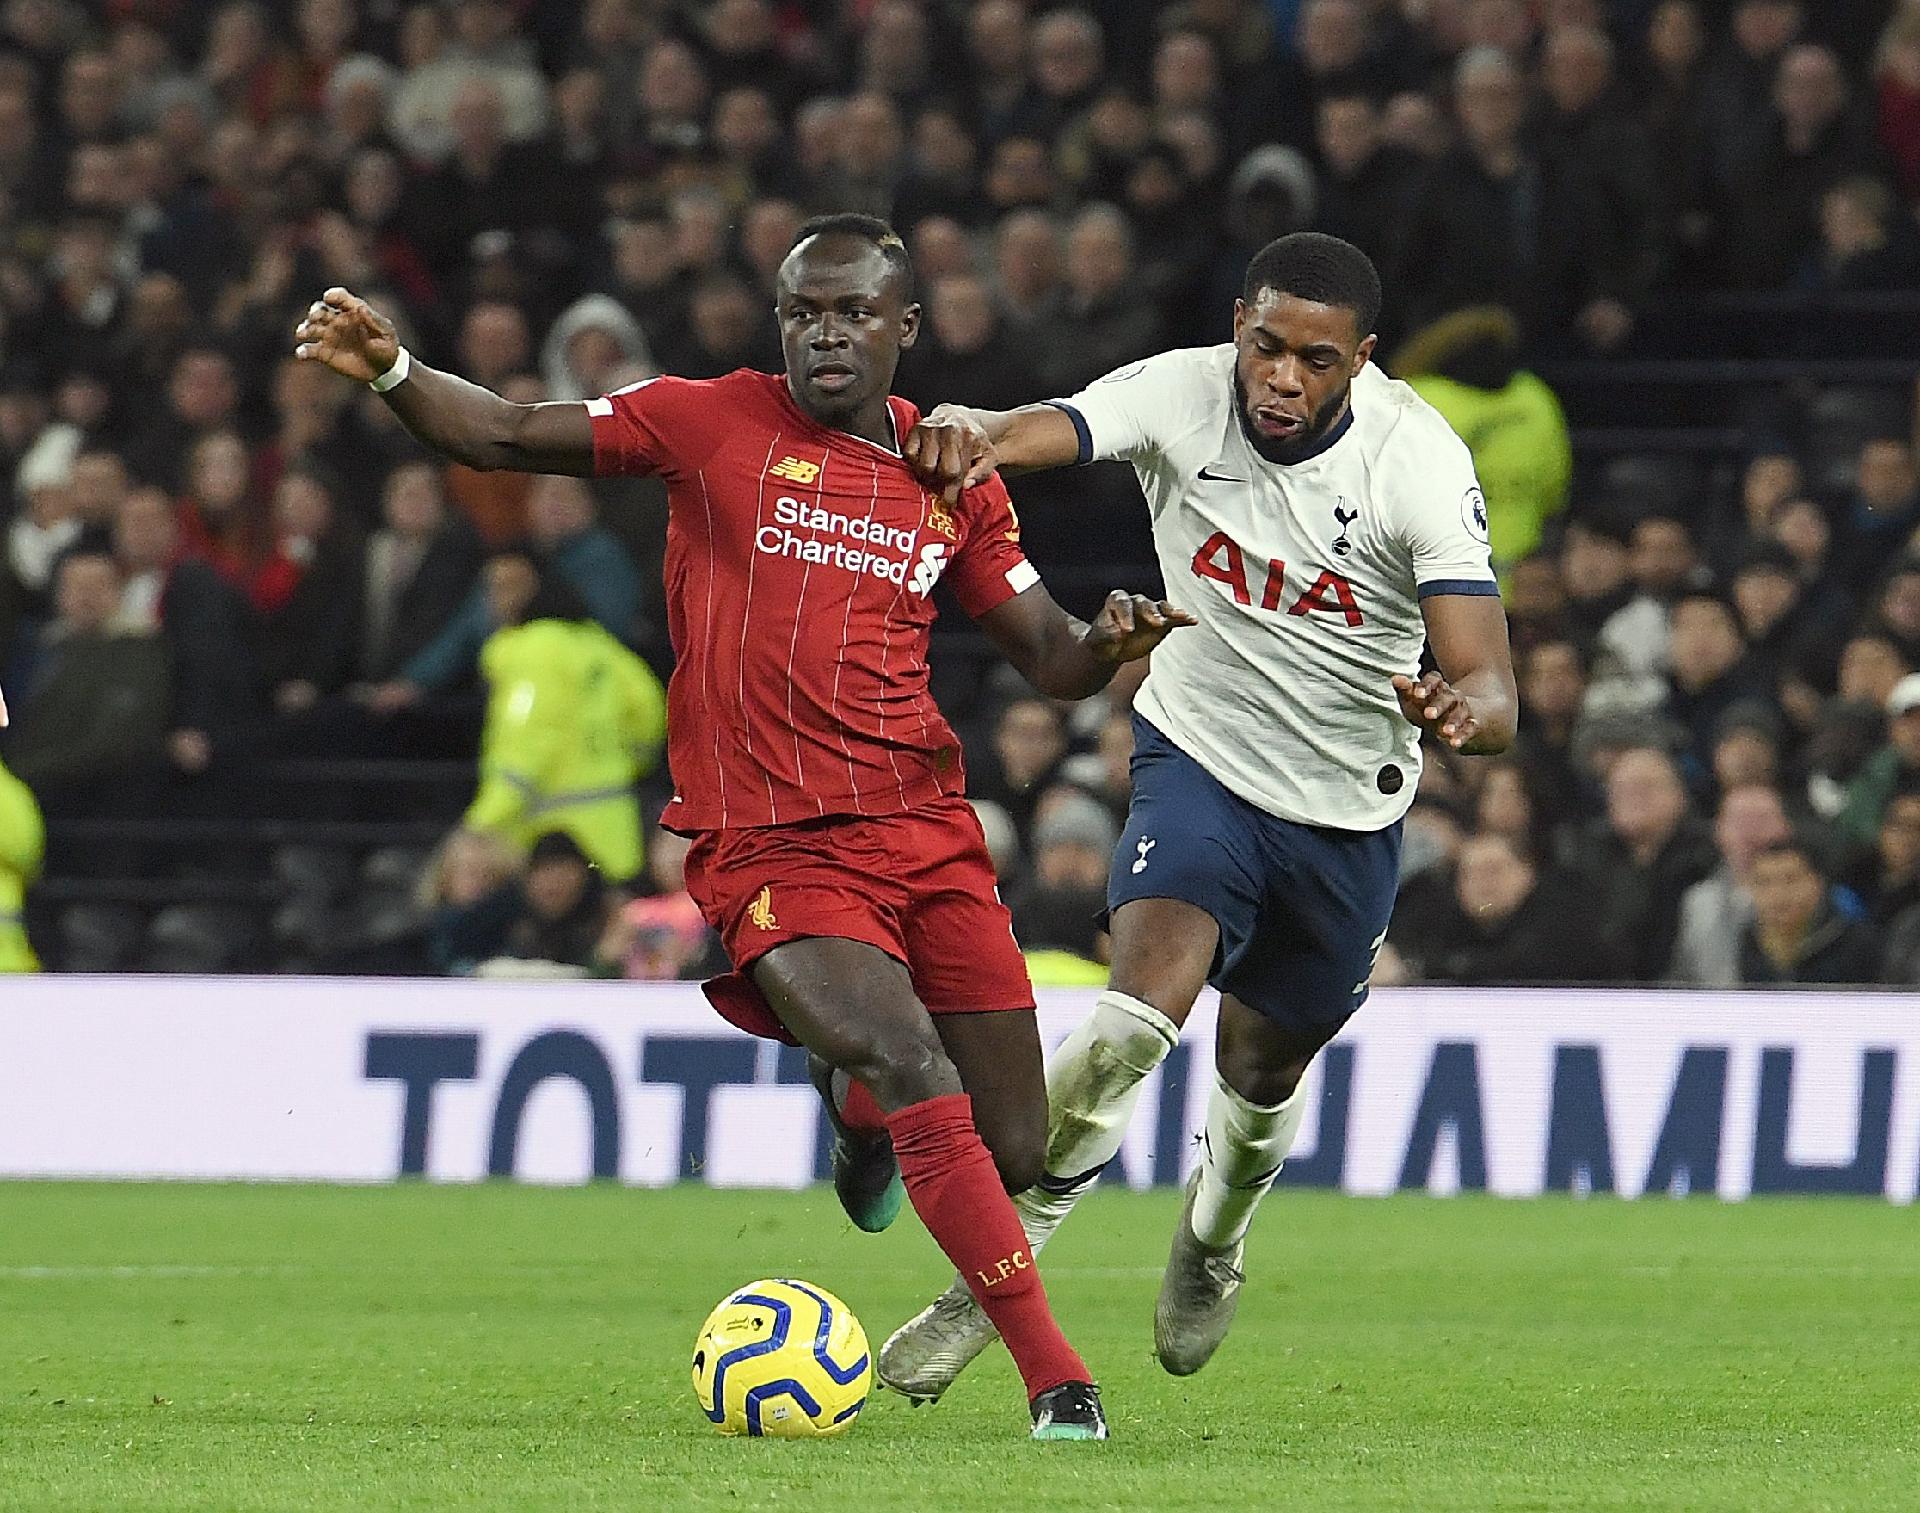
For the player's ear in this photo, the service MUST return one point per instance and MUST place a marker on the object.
(909, 326)
(1239, 319)
(1364, 352)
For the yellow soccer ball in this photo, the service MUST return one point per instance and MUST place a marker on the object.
(784, 1358)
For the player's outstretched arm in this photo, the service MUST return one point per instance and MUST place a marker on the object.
(1066, 658)
(1471, 702)
(470, 424)
(955, 448)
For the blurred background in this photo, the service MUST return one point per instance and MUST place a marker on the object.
(1657, 262)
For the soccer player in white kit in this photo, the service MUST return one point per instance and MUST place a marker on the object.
(1324, 523)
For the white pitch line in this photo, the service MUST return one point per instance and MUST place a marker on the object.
(66, 1273)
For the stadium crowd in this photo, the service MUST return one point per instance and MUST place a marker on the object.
(219, 564)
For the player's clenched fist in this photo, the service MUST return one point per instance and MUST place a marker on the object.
(1129, 626)
(348, 335)
(1435, 706)
(949, 451)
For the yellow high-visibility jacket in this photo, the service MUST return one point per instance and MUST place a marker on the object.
(1521, 451)
(573, 719)
(23, 841)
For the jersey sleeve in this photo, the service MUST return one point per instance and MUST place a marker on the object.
(990, 568)
(646, 427)
(1125, 414)
(1444, 521)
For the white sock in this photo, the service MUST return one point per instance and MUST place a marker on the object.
(1093, 1083)
(1246, 1145)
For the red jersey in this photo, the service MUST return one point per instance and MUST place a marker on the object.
(800, 569)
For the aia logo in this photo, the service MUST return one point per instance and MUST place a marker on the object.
(1221, 560)
(794, 470)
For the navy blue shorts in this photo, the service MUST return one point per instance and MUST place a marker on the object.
(1302, 910)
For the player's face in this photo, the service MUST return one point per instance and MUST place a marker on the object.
(843, 326)
(1297, 361)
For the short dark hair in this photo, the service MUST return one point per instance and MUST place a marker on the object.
(1321, 268)
(868, 228)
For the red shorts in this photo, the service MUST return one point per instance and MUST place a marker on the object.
(918, 885)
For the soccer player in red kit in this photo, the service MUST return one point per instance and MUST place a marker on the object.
(833, 847)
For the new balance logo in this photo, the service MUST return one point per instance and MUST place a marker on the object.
(1140, 862)
(794, 470)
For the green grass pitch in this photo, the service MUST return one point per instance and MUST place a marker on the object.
(514, 1348)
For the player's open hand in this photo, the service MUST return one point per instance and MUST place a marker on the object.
(348, 335)
(1437, 707)
(949, 452)
(1130, 625)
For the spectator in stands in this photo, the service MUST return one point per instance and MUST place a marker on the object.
(202, 396)
(562, 920)
(1058, 912)
(1715, 912)
(1674, 103)
(574, 719)
(1709, 669)
(971, 353)
(1887, 883)
(1467, 366)
(1029, 743)
(420, 567)
(1640, 860)
(22, 846)
(1797, 936)
(1105, 324)
(1877, 523)
(202, 620)
(1503, 920)
(1554, 679)
(1890, 770)
(1367, 183)
(308, 595)
(662, 935)
(1739, 87)
(1636, 641)
(223, 520)
(1495, 224)
(94, 713)
(1593, 565)
(1592, 136)
(1747, 746)
(1027, 258)
(1770, 598)
(1866, 242)
(46, 524)
(1896, 72)
(465, 895)
(566, 542)
(1810, 142)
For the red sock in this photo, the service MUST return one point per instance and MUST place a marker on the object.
(858, 1110)
(956, 1190)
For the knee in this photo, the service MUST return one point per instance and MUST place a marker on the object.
(903, 1071)
(1261, 1082)
(1020, 1162)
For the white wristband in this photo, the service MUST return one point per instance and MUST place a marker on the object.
(394, 376)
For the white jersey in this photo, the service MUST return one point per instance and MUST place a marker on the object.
(1306, 579)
